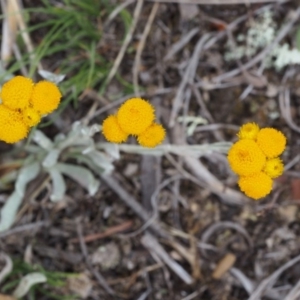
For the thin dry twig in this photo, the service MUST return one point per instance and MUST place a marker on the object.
(9, 31)
(138, 273)
(116, 11)
(31, 227)
(181, 43)
(202, 44)
(292, 162)
(152, 244)
(216, 126)
(108, 232)
(188, 77)
(294, 293)
(24, 31)
(205, 179)
(97, 275)
(270, 280)
(118, 60)
(285, 109)
(222, 225)
(218, 2)
(260, 56)
(213, 184)
(133, 204)
(140, 48)
(218, 134)
(243, 279)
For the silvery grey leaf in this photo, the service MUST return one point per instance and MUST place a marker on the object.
(80, 174)
(89, 130)
(83, 130)
(9, 210)
(79, 141)
(58, 184)
(101, 160)
(59, 138)
(27, 282)
(75, 140)
(76, 126)
(8, 178)
(88, 150)
(7, 268)
(51, 76)
(27, 173)
(51, 158)
(33, 149)
(94, 129)
(42, 140)
(111, 149)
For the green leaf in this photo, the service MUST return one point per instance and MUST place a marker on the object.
(27, 282)
(298, 38)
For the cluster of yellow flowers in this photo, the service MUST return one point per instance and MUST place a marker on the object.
(136, 117)
(254, 157)
(23, 103)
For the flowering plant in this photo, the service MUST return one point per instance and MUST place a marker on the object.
(23, 103)
(136, 117)
(254, 157)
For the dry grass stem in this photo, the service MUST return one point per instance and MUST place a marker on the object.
(126, 42)
(180, 44)
(271, 280)
(152, 244)
(140, 48)
(97, 275)
(285, 109)
(116, 11)
(218, 2)
(17, 9)
(188, 77)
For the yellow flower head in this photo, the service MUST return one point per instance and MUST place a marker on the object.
(256, 186)
(45, 97)
(271, 141)
(12, 127)
(248, 131)
(152, 136)
(245, 158)
(274, 167)
(112, 131)
(15, 93)
(135, 116)
(31, 117)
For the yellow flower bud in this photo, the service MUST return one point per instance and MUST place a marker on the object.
(256, 186)
(152, 136)
(16, 92)
(274, 167)
(135, 116)
(31, 117)
(12, 126)
(112, 131)
(271, 141)
(245, 158)
(248, 131)
(45, 97)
